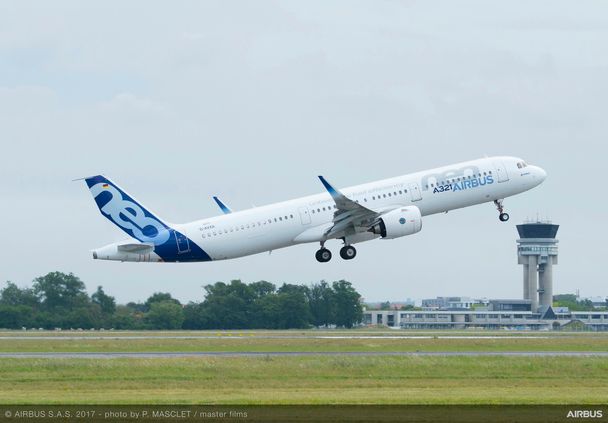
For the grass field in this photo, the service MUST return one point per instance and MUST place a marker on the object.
(284, 341)
(306, 379)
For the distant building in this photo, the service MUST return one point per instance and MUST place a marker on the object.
(537, 252)
(510, 305)
(449, 303)
(559, 317)
(394, 305)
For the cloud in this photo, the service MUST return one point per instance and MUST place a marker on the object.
(130, 103)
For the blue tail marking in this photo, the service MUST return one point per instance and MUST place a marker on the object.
(138, 222)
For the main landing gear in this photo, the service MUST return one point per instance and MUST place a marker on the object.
(503, 217)
(348, 252)
(323, 255)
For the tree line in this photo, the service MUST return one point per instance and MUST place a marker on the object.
(60, 300)
(575, 304)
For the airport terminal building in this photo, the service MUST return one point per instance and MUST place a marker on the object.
(537, 252)
(488, 319)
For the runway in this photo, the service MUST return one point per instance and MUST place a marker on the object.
(110, 355)
(255, 336)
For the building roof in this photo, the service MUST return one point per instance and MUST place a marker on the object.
(537, 230)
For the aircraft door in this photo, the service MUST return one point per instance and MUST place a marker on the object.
(182, 242)
(501, 172)
(415, 193)
(304, 215)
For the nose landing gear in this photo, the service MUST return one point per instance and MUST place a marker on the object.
(503, 217)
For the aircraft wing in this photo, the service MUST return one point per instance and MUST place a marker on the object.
(350, 216)
(222, 206)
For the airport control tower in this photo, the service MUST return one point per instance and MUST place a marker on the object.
(537, 251)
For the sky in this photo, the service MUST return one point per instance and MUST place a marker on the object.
(179, 101)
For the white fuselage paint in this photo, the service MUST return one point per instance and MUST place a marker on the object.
(266, 228)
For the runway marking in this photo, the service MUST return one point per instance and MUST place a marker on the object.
(109, 355)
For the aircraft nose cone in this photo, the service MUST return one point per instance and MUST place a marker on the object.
(541, 174)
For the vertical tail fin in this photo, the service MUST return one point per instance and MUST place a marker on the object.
(126, 213)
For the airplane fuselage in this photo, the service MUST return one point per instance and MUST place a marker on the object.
(310, 219)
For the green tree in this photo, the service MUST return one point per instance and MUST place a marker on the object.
(165, 315)
(159, 297)
(59, 290)
(13, 295)
(292, 308)
(64, 302)
(572, 302)
(106, 303)
(262, 312)
(349, 310)
(385, 305)
(228, 306)
(18, 307)
(322, 304)
(194, 317)
(262, 288)
(127, 318)
(409, 307)
(15, 316)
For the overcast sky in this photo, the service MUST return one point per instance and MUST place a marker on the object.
(178, 101)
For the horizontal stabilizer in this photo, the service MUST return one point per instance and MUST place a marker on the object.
(136, 248)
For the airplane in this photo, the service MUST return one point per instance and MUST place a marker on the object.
(386, 209)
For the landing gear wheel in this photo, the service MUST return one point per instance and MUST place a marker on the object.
(348, 252)
(323, 255)
(503, 217)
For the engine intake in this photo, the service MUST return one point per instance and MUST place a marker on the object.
(399, 222)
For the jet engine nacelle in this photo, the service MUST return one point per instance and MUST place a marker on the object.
(399, 222)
